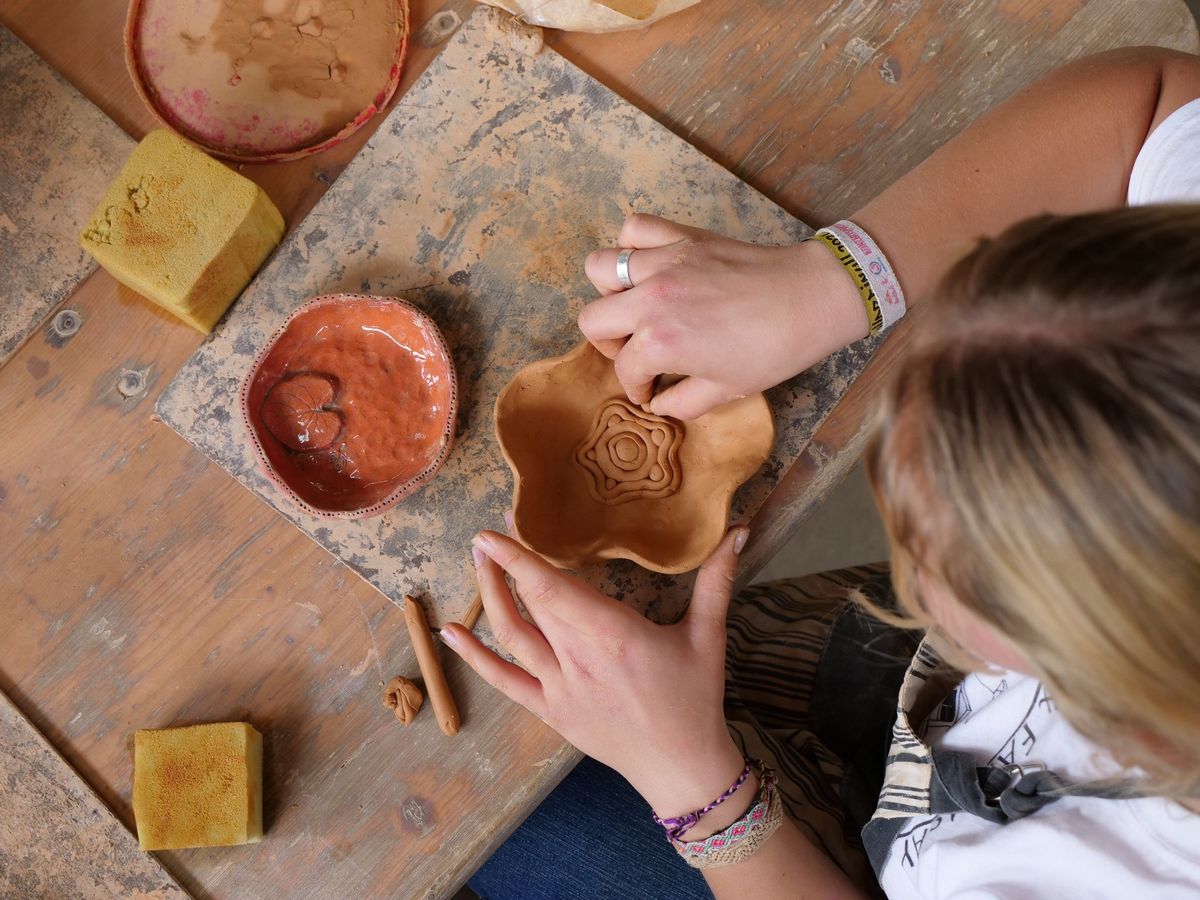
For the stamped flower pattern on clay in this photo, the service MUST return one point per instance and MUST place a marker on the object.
(631, 454)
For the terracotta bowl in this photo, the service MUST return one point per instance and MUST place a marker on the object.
(596, 478)
(352, 404)
(257, 87)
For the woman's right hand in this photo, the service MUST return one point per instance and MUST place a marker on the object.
(732, 318)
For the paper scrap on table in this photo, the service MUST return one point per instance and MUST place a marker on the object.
(592, 15)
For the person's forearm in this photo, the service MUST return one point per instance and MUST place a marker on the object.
(1064, 145)
(788, 867)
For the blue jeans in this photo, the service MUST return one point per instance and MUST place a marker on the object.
(591, 839)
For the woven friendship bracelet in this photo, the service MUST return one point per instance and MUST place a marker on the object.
(679, 824)
(870, 270)
(744, 837)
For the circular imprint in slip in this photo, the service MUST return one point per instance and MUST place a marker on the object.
(630, 454)
(265, 80)
(300, 411)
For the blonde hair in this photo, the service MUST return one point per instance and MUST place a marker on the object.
(1038, 455)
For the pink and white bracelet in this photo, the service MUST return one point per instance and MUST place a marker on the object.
(873, 275)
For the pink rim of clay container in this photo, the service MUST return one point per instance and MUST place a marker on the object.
(596, 478)
(297, 362)
(144, 83)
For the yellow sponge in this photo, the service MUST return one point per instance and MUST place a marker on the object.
(182, 229)
(199, 786)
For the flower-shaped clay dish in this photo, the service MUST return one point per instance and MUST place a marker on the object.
(597, 478)
(264, 82)
(352, 404)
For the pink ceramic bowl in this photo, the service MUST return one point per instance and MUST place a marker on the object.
(352, 404)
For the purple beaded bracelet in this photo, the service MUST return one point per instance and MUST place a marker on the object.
(677, 825)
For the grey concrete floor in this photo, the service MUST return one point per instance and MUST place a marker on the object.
(843, 531)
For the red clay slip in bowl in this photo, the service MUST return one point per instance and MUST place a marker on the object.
(259, 81)
(352, 404)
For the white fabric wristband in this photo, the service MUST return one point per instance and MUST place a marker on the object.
(873, 274)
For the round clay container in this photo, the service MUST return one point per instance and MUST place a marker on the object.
(267, 80)
(352, 404)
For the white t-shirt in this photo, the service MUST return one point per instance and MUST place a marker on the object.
(1079, 846)
(1075, 847)
(1167, 168)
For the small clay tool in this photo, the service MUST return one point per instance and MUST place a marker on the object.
(471, 617)
(431, 667)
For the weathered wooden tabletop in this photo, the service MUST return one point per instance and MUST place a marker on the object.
(143, 586)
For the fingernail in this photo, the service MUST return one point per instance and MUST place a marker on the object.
(449, 637)
(478, 555)
(509, 521)
(739, 541)
(482, 539)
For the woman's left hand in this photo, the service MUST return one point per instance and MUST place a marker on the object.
(645, 699)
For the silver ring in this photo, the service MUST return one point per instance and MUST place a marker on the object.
(623, 269)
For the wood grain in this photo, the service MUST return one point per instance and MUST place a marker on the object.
(144, 587)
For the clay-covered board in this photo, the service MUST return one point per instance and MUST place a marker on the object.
(59, 154)
(57, 838)
(477, 200)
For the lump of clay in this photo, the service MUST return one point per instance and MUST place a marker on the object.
(597, 478)
(404, 698)
(352, 404)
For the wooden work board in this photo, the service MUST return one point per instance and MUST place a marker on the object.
(477, 200)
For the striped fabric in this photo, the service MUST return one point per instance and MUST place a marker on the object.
(910, 762)
(777, 636)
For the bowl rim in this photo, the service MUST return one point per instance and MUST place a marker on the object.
(402, 490)
(723, 499)
(380, 100)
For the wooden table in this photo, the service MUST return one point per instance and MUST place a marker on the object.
(142, 586)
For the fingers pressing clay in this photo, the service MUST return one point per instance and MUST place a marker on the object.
(690, 398)
(637, 367)
(404, 698)
(431, 667)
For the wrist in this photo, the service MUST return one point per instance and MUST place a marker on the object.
(688, 785)
(833, 303)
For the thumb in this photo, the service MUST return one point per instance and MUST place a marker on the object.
(690, 398)
(714, 583)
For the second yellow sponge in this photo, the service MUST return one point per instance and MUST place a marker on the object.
(182, 229)
(198, 786)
